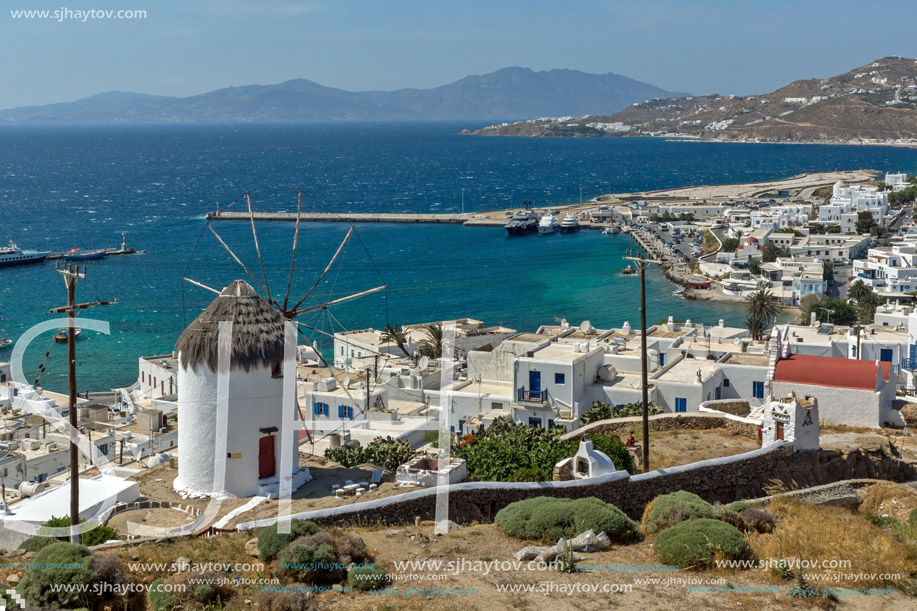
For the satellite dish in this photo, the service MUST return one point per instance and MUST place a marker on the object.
(346, 382)
(424, 362)
(586, 327)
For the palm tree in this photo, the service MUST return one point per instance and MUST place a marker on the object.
(762, 308)
(858, 290)
(398, 335)
(432, 346)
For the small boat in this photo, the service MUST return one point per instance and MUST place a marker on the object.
(611, 230)
(521, 223)
(629, 270)
(63, 335)
(4, 343)
(75, 254)
(570, 224)
(699, 282)
(13, 255)
(548, 224)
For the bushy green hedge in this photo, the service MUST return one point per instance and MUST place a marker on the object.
(365, 578)
(667, 510)
(72, 565)
(507, 451)
(312, 563)
(696, 543)
(548, 518)
(99, 534)
(160, 599)
(271, 543)
(380, 451)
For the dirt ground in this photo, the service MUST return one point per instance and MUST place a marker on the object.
(150, 517)
(667, 449)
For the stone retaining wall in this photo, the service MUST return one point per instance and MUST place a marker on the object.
(729, 406)
(720, 480)
(666, 422)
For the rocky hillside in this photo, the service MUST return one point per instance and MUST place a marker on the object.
(875, 102)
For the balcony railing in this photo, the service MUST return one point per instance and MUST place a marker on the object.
(909, 364)
(532, 396)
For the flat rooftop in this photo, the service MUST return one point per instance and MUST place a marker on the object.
(685, 371)
(559, 352)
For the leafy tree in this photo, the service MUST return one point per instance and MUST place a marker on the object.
(827, 272)
(762, 308)
(754, 266)
(866, 224)
(397, 335)
(771, 251)
(842, 313)
(865, 301)
(603, 411)
(730, 244)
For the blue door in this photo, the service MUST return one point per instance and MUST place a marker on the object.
(535, 422)
(681, 405)
(719, 393)
(535, 381)
(886, 355)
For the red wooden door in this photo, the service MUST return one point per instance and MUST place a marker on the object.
(266, 463)
(780, 431)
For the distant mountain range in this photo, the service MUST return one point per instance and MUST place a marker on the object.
(875, 102)
(505, 94)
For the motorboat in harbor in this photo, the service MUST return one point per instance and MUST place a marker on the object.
(521, 223)
(611, 230)
(548, 224)
(13, 255)
(64, 334)
(629, 270)
(570, 224)
(698, 282)
(75, 254)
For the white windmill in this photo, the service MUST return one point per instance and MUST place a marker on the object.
(235, 450)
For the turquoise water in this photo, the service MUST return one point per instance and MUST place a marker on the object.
(72, 185)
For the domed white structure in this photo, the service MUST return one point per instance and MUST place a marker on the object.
(236, 454)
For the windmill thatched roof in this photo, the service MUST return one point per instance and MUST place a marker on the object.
(257, 331)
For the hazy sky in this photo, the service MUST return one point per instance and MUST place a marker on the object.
(184, 47)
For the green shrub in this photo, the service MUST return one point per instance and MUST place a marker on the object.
(601, 410)
(312, 564)
(204, 593)
(667, 510)
(99, 534)
(528, 474)
(614, 449)
(380, 451)
(72, 566)
(547, 518)
(365, 578)
(271, 543)
(737, 506)
(36, 543)
(696, 543)
(912, 517)
(160, 599)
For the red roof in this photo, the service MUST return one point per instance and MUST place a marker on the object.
(829, 371)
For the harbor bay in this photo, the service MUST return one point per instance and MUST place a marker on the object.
(157, 183)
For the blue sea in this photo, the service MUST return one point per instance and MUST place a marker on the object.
(66, 186)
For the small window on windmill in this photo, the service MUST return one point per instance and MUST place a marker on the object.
(276, 369)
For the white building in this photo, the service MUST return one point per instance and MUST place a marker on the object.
(896, 182)
(241, 456)
(889, 271)
(854, 199)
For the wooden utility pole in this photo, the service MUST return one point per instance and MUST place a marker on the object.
(71, 274)
(641, 262)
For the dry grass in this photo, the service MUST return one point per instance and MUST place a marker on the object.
(889, 499)
(681, 447)
(829, 534)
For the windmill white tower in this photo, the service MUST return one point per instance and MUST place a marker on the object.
(236, 450)
(254, 416)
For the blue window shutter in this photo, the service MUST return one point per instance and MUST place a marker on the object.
(350, 412)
